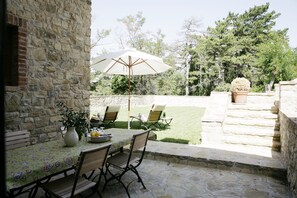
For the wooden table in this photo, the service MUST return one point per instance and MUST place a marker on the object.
(28, 165)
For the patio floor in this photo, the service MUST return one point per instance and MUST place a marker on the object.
(179, 171)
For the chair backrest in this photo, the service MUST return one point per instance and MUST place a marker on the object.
(17, 139)
(92, 159)
(88, 161)
(111, 113)
(139, 141)
(155, 113)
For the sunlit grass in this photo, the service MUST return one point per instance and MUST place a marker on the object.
(185, 127)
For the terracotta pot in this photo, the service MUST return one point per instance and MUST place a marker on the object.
(239, 97)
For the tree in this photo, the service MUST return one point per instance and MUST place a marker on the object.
(144, 41)
(229, 49)
(101, 83)
(134, 37)
(202, 77)
(170, 83)
(190, 32)
(119, 85)
(275, 61)
(101, 34)
(98, 81)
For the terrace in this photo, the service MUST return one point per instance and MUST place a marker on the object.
(53, 65)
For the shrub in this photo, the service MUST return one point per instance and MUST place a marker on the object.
(223, 87)
(71, 118)
(240, 84)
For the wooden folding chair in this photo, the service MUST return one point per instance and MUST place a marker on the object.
(75, 184)
(128, 161)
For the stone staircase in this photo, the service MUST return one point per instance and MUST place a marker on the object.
(253, 125)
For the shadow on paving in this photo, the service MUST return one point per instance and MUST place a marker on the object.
(171, 180)
(235, 158)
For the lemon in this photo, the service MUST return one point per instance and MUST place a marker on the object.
(95, 134)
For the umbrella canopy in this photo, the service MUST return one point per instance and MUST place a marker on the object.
(121, 62)
(129, 62)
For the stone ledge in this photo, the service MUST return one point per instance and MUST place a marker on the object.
(214, 158)
(280, 174)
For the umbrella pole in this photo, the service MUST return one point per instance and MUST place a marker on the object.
(129, 85)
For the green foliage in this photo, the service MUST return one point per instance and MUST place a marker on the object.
(101, 84)
(275, 61)
(240, 45)
(147, 42)
(170, 83)
(223, 87)
(120, 85)
(231, 50)
(71, 118)
(101, 34)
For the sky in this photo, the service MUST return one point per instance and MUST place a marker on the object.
(169, 15)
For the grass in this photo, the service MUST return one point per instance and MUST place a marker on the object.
(185, 127)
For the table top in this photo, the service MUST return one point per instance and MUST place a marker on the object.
(32, 163)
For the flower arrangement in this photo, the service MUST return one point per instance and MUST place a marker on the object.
(240, 84)
(71, 118)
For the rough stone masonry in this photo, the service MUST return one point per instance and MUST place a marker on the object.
(54, 60)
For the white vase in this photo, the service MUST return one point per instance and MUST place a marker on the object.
(71, 137)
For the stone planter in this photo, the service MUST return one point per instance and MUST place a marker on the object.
(239, 97)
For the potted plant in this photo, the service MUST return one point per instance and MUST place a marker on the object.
(73, 121)
(240, 88)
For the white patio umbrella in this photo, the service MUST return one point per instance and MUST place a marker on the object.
(129, 62)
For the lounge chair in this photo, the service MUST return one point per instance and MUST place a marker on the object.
(153, 119)
(109, 117)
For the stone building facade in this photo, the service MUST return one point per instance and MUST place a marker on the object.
(53, 64)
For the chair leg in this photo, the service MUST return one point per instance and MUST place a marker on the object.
(99, 193)
(134, 170)
(118, 178)
(125, 187)
(33, 191)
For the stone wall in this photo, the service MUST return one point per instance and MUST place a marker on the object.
(213, 117)
(288, 97)
(56, 44)
(99, 103)
(288, 130)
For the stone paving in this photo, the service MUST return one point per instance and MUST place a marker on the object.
(183, 171)
(172, 180)
(235, 158)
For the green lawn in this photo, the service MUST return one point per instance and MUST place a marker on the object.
(185, 127)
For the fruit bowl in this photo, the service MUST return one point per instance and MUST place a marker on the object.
(101, 138)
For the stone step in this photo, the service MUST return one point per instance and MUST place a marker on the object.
(251, 114)
(256, 160)
(261, 98)
(261, 107)
(252, 122)
(252, 131)
(252, 141)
